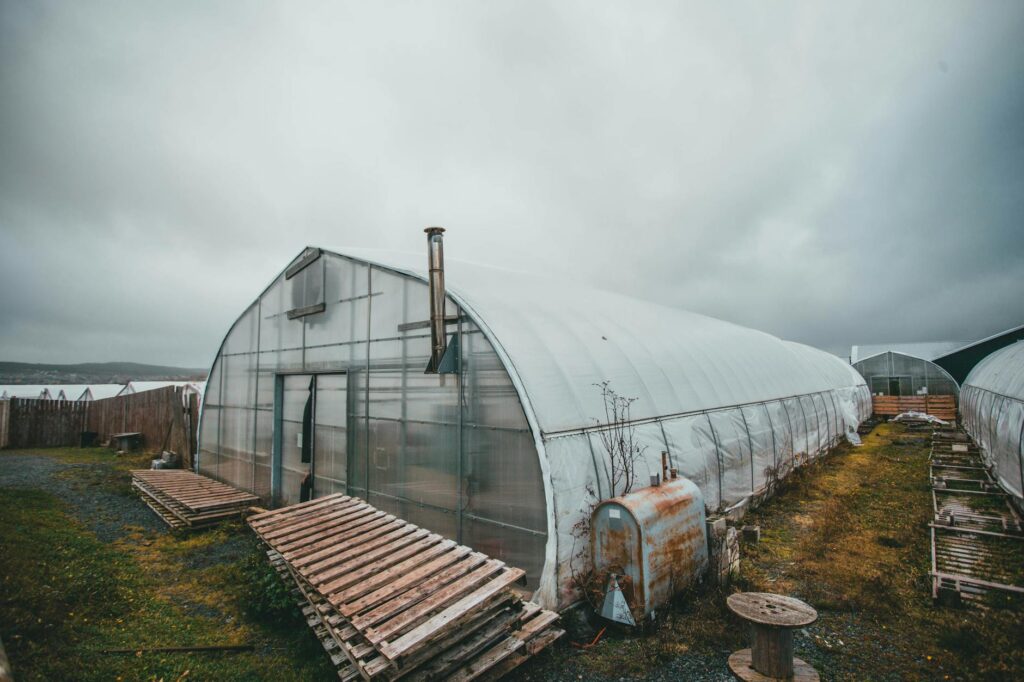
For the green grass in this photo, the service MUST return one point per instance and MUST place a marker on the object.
(66, 597)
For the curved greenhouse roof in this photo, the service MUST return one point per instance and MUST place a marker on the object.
(561, 339)
(1001, 372)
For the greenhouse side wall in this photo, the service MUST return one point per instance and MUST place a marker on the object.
(731, 454)
(452, 453)
(992, 408)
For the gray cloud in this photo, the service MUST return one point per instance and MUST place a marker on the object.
(835, 175)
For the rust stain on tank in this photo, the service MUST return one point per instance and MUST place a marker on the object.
(662, 545)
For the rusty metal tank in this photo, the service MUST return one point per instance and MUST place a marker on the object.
(653, 540)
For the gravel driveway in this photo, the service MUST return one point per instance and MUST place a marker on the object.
(103, 511)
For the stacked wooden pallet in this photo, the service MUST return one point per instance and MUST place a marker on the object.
(398, 601)
(187, 500)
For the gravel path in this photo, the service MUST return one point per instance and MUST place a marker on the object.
(104, 512)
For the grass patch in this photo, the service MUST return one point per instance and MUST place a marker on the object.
(67, 596)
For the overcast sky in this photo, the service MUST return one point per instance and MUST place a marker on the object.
(830, 173)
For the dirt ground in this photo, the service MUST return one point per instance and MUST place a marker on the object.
(85, 567)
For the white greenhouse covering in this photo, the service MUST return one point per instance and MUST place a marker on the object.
(992, 406)
(734, 408)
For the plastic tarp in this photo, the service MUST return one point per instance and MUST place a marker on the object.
(992, 405)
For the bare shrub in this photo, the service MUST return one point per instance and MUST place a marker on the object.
(621, 452)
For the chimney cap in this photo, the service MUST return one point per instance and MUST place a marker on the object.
(434, 230)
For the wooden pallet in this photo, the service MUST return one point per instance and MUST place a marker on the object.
(186, 500)
(941, 406)
(977, 539)
(398, 600)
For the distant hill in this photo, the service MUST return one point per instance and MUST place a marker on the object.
(94, 373)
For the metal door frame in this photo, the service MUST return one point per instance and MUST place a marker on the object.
(277, 456)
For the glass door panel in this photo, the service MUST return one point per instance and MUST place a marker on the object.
(330, 442)
(296, 414)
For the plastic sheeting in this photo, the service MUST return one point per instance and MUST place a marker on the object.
(992, 407)
(734, 408)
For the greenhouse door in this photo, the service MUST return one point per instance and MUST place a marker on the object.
(310, 442)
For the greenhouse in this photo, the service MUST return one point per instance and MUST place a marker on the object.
(992, 406)
(898, 374)
(481, 418)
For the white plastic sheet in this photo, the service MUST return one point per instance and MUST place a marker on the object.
(992, 405)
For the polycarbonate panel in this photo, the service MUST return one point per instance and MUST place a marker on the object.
(330, 444)
(297, 402)
(209, 448)
(209, 423)
(347, 307)
(239, 382)
(244, 334)
(276, 331)
(502, 477)
(306, 287)
(389, 304)
(514, 547)
(262, 454)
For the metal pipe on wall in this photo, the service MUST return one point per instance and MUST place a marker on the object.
(435, 264)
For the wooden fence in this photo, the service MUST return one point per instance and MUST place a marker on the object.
(941, 406)
(5, 412)
(166, 418)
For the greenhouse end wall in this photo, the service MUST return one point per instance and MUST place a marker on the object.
(452, 453)
(897, 374)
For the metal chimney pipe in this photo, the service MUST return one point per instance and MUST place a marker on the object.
(435, 264)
